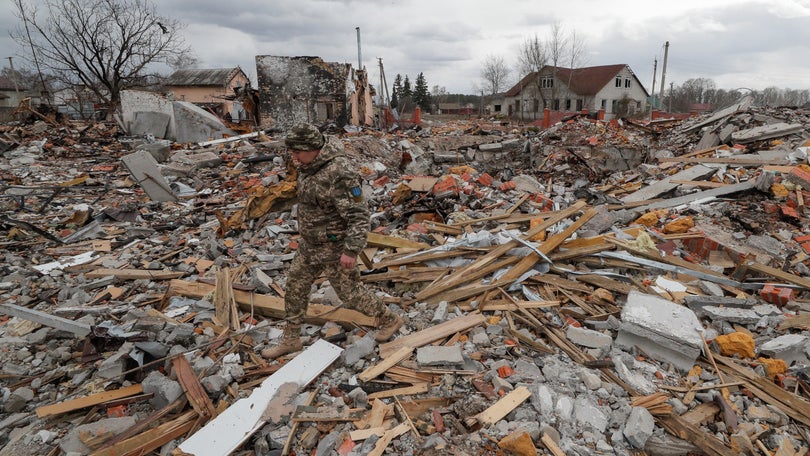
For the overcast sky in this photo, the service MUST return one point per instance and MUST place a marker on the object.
(736, 43)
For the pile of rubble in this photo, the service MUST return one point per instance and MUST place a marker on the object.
(593, 288)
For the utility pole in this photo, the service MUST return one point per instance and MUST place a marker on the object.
(655, 70)
(664, 71)
(13, 74)
(359, 55)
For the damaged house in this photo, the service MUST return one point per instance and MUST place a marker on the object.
(612, 90)
(217, 90)
(308, 89)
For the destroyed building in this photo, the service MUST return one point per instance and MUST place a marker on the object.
(308, 89)
(213, 89)
(597, 287)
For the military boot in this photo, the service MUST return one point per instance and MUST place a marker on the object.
(290, 342)
(387, 325)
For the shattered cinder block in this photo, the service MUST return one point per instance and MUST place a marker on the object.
(667, 332)
(588, 337)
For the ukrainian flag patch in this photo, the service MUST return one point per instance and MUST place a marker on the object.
(356, 193)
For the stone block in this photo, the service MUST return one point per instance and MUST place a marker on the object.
(588, 337)
(790, 347)
(361, 348)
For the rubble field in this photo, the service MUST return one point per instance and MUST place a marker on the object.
(616, 288)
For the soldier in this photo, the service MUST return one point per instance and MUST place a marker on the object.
(333, 221)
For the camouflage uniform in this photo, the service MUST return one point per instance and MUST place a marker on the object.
(333, 219)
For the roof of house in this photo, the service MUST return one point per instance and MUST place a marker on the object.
(7, 84)
(584, 81)
(202, 77)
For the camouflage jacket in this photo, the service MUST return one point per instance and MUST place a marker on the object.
(330, 200)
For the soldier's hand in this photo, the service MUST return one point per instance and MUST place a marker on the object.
(346, 261)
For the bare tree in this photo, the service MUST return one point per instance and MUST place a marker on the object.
(532, 57)
(103, 45)
(494, 73)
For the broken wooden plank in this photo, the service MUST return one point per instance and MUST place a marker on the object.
(379, 368)
(428, 335)
(134, 274)
(88, 401)
(468, 273)
(195, 393)
(777, 273)
(404, 391)
(551, 445)
(394, 242)
(272, 306)
(500, 409)
(685, 430)
(152, 439)
(238, 422)
(363, 434)
(386, 439)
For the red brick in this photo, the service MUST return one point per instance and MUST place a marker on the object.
(485, 179)
(806, 246)
(803, 238)
(799, 177)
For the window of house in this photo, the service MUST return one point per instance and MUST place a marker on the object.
(556, 104)
(546, 82)
(536, 105)
(604, 103)
(517, 105)
(497, 108)
(614, 104)
(627, 83)
(579, 104)
(618, 81)
(567, 104)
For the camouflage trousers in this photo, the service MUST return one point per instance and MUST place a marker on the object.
(309, 263)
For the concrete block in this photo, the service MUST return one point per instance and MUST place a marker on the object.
(439, 355)
(361, 348)
(590, 380)
(195, 124)
(639, 427)
(731, 315)
(667, 332)
(159, 151)
(149, 123)
(588, 337)
(198, 160)
(789, 347)
(165, 390)
(440, 314)
(696, 303)
(490, 147)
(588, 413)
(18, 399)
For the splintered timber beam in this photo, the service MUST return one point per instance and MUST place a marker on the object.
(428, 335)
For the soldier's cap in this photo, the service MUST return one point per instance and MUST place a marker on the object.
(304, 136)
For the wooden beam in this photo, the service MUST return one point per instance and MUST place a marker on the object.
(272, 306)
(195, 393)
(386, 439)
(381, 240)
(134, 274)
(88, 401)
(405, 391)
(431, 334)
(379, 368)
(152, 439)
(500, 409)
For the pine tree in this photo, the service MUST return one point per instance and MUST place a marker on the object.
(406, 88)
(397, 91)
(421, 95)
